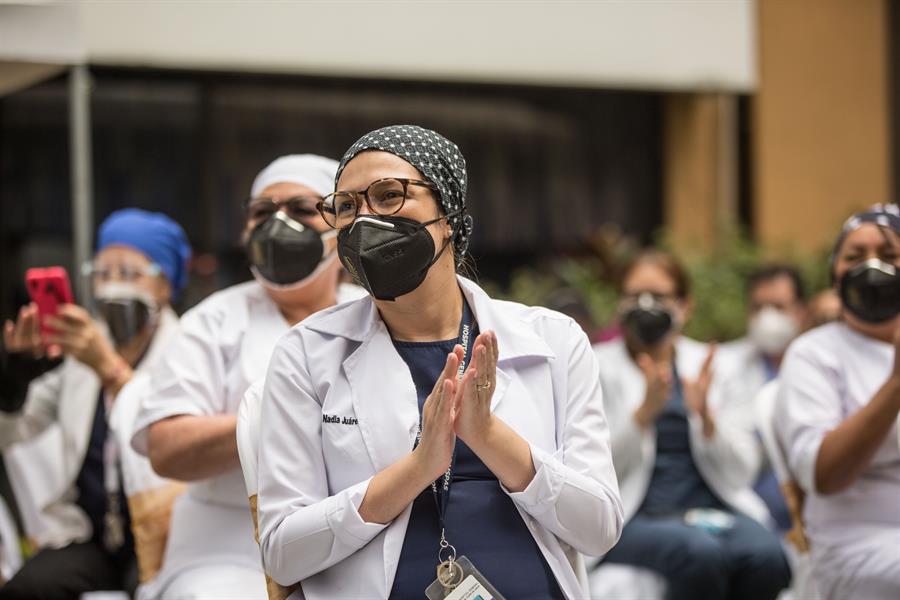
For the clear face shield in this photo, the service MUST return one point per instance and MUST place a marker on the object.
(122, 300)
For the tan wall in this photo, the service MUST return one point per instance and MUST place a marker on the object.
(821, 117)
(700, 175)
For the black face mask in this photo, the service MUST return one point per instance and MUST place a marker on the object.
(125, 318)
(388, 256)
(648, 322)
(870, 291)
(283, 251)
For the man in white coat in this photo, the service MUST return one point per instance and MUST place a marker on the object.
(57, 392)
(777, 312)
(187, 422)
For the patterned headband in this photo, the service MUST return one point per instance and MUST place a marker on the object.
(437, 158)
(883, 215)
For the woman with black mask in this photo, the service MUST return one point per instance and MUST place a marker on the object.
(429, 430)
(186, 425)
(683, 448)
(837, 416)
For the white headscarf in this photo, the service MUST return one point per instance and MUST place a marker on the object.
(315, 172)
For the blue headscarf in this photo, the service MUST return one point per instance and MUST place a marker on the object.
(155, 235)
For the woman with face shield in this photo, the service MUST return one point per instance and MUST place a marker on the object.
(57, 392)
(836, 416)
(428, 439)
(683, 448)
(186, 424)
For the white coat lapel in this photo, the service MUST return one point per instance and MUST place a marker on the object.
(515, 338)
(502, 385)
(632, 380)
(77, 405)
(384, 398)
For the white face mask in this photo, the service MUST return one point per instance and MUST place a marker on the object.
(771, 330)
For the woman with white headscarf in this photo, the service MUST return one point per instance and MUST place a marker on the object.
(187, 421)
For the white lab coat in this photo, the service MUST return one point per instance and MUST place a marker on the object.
(746, 363)
(313, 476)
(728, 462)
(224, 345)
(10, 549)
(47, 440)
(150, 497)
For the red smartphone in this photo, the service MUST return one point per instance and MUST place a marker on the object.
(48, 287)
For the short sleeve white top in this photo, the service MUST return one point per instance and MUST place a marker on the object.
(828, 374)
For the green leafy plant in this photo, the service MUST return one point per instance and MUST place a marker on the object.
(718, 279)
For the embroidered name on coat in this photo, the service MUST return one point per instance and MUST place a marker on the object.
(337, 420)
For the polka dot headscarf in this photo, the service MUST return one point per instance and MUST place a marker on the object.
(437, 158)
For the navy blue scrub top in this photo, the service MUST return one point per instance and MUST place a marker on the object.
(482, 522)
(676, 485)
(91, 485)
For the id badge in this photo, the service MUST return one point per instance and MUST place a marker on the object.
(709, 519)
(460, 580)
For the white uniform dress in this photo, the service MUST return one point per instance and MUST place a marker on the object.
(828, 375)
(224, 346)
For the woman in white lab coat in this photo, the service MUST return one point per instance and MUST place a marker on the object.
(684, 449)
(187, 421)
(512, 422)
(57, 392)
(836, 416)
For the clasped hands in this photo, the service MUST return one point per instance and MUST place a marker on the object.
(459, 407)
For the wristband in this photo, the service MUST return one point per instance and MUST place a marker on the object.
(116, 374)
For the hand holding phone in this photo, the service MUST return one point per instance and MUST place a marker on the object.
(49, 288)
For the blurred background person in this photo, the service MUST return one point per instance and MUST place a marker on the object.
(836, 416)
(823, 308)
(776, 301)
(776, 313)
(70, 378)
(187, 422)
(569, 302)
(684, 449)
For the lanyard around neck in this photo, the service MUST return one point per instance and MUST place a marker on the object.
(440, 488)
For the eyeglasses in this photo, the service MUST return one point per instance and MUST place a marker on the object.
(384, 197)
(128, 273)
(635, 297)
(297, 207)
